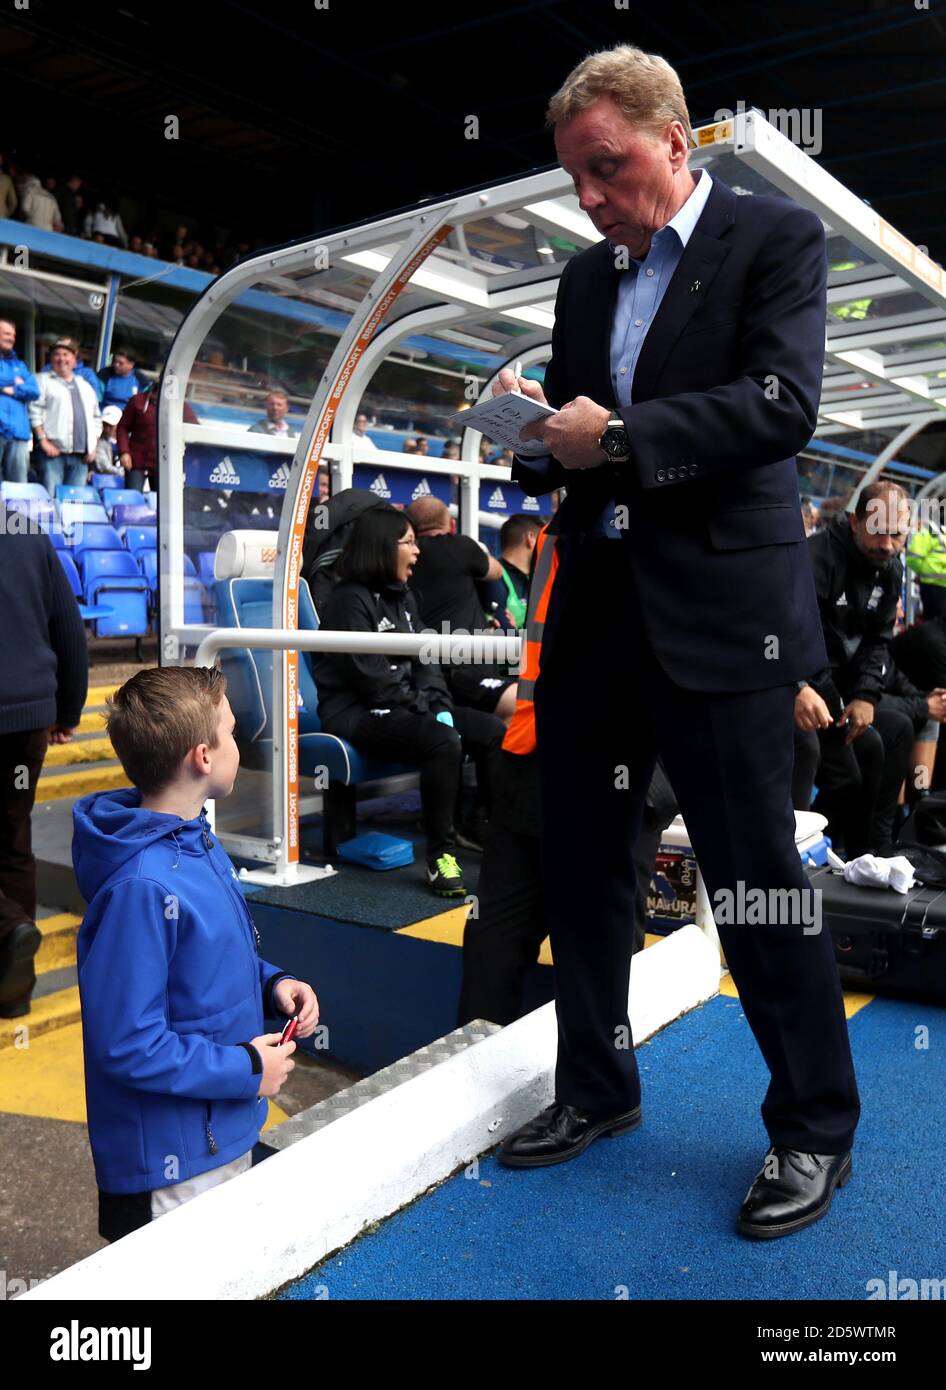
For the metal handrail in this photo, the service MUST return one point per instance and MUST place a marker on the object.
(445, 648)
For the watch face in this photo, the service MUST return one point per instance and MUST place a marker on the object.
(614, 441)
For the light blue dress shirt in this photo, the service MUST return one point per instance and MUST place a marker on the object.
(640, 290)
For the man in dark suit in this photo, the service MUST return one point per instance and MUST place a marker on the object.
(686, 368)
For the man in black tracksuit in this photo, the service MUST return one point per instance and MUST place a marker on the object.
(864, 745)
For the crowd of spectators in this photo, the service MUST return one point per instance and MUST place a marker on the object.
(73, 206)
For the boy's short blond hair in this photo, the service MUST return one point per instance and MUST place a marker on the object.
(158, 716)
(644, 86)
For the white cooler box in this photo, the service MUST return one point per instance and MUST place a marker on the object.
(810, 841)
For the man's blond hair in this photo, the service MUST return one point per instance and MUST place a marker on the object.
(643, 85)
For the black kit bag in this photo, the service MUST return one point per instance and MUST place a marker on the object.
(887, 942)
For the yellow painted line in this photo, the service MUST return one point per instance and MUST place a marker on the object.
(80, 750)
(48, 1014)
(447, 929)
(92, 722)
(98, 694)
(91, 779)
(46, 1079)
(853, 1003)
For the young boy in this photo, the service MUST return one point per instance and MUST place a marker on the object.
(173, 990)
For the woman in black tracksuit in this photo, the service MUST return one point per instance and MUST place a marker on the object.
(400, 709)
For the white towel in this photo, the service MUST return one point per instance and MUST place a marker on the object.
(867, 871)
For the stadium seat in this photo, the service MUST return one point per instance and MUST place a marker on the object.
(98, 536)
(244, 601)
(128, 599)
(147, 561)
(58, 539)
(104, 481)
(123, 497)
(151, 500)
(72, 574)
(76, 492)
(95, 563)
(8, 490)
(139, 538)
(81, 513)
(40, 510)
(134, 515)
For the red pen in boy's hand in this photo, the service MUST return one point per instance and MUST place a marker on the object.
(289, 1032)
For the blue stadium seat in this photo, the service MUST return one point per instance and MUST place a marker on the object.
(136, 515)
(41, 511)
(139, 538)
(98, 536)
(85, 513)
(104, 481)
(205, 566)
(57, 538)
(147, 561)
(95, 563)
(244, 602)
(37, 490)
(72, 574)
(151, 500)
(76, 492)
(123, 497)
(128, 598)
(190, 569)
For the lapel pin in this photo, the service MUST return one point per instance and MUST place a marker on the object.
(694, 286)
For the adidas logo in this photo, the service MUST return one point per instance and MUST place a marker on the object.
(840, 601)
(224, 474)
(421, 490)
(379, 487)
(530, 504)
(385, 625)
(496, 498)
(280, 478)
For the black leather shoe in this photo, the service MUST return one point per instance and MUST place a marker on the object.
(798, 1193)
(559, 1133)
(17, 975)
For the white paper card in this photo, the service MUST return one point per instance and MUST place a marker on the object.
(502, 417)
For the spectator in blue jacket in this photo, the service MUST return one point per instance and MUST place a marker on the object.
(121, 380)
(178, 1068)
(17, 388)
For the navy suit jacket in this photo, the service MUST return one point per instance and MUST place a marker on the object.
(726, 391)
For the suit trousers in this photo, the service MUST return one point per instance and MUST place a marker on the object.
(21, 761)
(605, 709)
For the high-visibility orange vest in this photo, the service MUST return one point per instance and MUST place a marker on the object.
(520, 736)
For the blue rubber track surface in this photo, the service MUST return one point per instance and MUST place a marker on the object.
(651, 1215)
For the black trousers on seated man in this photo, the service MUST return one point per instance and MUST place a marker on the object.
(729, 759)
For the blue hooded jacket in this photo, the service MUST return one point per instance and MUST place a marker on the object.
(171, 985)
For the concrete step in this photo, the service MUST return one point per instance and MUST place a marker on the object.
(92, 721)
(49, 1013)
(58, 947)
(91, 777)
(98, 694)
(85, 749)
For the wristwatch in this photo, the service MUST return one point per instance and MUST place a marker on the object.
(615, 442)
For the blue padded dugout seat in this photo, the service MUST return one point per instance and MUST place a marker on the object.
(247, 601)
